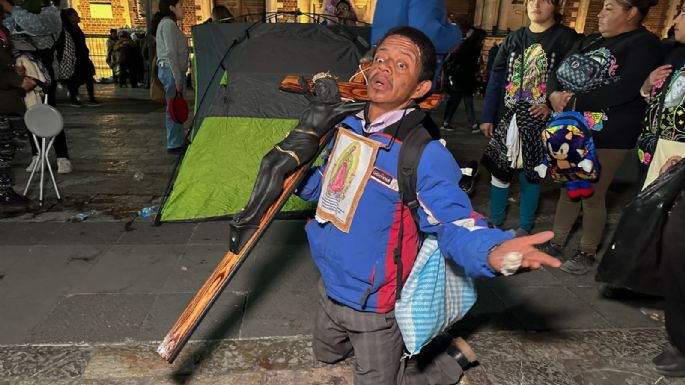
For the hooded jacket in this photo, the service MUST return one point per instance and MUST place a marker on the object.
(357, 267)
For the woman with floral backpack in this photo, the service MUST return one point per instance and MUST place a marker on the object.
(522, 66)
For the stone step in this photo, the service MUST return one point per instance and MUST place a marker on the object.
(617, 356)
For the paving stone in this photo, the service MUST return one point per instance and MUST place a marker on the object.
(556, 309)
(168, 233)
(489, 313)
(283, 303)
(212, 232)
(199, 261)
(86, 233)
(618, 313)
(51, 270)
(496, 346)
(21, 314)
(130, 269)
(535, 278)
(221, 322)
(26, 235)
(528, 373)
(94, 318)
(45, 362)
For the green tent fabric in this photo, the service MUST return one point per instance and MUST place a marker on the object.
(219, 169)
(240, 112)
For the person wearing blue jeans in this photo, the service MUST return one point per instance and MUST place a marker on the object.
(172, 61)
(175, 137)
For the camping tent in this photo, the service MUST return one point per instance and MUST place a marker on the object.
(239, 117)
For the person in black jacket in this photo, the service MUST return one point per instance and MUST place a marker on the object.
(84, 70)
(461, 69)
(618, 110)
(519, 82)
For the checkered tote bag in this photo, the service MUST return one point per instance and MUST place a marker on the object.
(437, 294)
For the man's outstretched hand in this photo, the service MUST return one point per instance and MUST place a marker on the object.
(532, 257)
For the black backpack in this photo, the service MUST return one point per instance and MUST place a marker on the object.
(414, 136)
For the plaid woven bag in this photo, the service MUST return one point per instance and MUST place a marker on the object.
(437, 293)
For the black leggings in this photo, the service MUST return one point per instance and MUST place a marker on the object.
(74, 84)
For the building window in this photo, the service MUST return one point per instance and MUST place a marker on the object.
(101, 10)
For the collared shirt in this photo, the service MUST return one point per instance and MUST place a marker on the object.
(43, 28)
(383, 121)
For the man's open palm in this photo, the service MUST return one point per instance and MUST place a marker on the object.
(532, 257)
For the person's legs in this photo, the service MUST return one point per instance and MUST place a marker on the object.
(174, 131)
(451, 107)
(530, 196)
(373, 338)
(60, 145)
(594, 207)
(123, 74)
(72, 86)
(470, 110)
(499, 193)
(90, 88)
(564, 217)
(330, 341)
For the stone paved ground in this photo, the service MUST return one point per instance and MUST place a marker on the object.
(88, 302)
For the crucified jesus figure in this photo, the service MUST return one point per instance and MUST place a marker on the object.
(324, 111)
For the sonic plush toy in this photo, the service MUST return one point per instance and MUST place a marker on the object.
(571, 153)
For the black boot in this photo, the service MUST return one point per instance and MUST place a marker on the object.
(462, 352)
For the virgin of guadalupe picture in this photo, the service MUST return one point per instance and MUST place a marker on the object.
(349, 168)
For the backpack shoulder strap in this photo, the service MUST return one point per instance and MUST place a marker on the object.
(408, 164)
(414, 140)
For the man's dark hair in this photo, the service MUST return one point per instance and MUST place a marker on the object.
(426, 48)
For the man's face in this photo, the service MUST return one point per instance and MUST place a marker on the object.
(394, 74)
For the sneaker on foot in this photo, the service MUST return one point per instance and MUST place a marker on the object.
(63, 166)
(468, 176)
(34, 162)
(551, 248)
(579, 264)
(92, 103)
(76, 103)
(475, 128)
(447, 127)
(519, 232)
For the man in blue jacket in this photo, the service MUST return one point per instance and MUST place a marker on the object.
(360, 219)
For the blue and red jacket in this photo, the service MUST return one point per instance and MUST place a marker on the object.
(357, 267)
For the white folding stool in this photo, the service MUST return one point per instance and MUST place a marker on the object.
(44, 122)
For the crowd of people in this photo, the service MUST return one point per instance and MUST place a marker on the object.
(635, 97)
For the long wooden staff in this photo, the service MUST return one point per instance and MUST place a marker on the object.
(198, 307)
